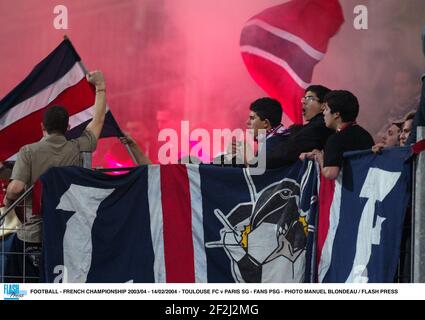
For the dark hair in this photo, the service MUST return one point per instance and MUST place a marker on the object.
(345, 103)
(320, 91)
(268, 108)
(409, 116)
(55, 119)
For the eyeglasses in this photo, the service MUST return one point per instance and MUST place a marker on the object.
(309, 98)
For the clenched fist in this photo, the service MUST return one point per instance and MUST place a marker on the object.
(96, 78)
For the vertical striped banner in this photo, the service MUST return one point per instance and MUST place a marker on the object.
(177, 223)
(197, 224)
(155, 211)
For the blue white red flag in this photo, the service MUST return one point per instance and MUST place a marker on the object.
(361, 217)
(281, 45)
(177, 223)
(57, 80)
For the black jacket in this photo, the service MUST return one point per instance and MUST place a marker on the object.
(313, 135)
(282, 150)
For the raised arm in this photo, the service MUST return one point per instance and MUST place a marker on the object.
(141, 158)
(95, 126)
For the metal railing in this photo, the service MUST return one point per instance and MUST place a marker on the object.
(17, 254)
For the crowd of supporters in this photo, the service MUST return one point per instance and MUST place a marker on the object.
(330, 130)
